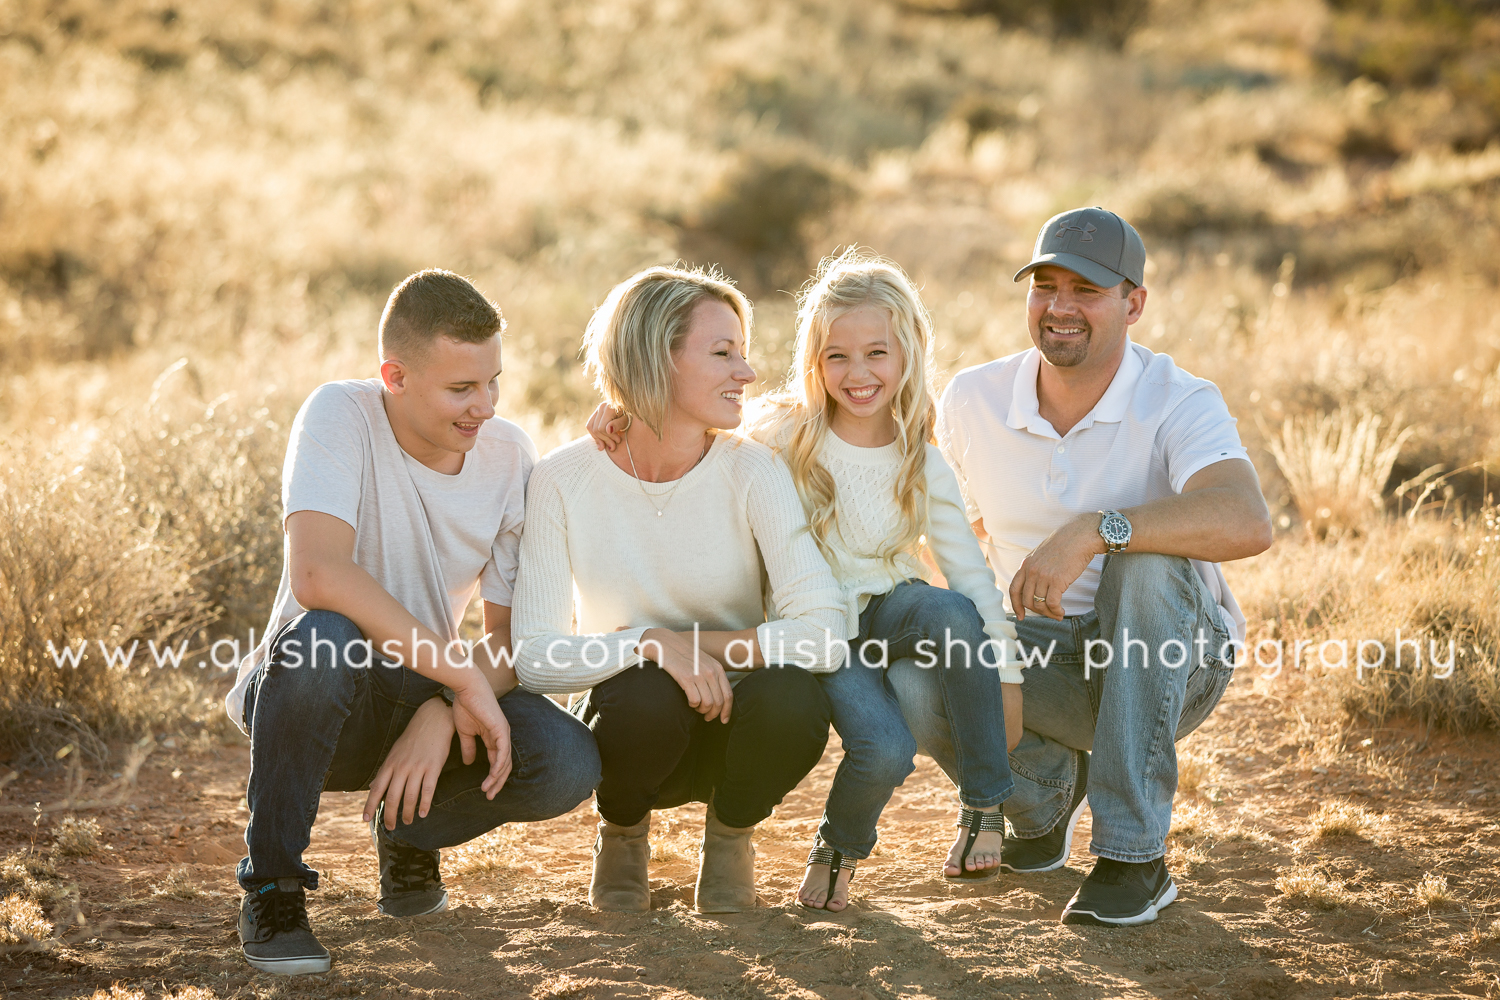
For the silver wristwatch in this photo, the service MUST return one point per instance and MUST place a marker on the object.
(1114, 528)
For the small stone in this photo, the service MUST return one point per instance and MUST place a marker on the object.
(1320, 769)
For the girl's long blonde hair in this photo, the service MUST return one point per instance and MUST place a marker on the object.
(843, 283)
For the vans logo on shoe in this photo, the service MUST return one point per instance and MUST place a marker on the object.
(1087, 229)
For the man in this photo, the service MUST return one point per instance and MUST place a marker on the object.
(402, 495)
(1107, 484)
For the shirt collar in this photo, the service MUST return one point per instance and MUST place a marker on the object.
(1025, 408)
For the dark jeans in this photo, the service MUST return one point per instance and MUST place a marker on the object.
(328, 723)
(658, 752)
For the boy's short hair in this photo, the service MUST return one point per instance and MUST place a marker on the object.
(632, 336)
(430, 304)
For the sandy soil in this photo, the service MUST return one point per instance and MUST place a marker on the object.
(161, 901)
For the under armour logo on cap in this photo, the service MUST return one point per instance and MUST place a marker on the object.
(1093, 242)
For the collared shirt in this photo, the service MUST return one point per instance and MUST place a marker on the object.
(1151, 431)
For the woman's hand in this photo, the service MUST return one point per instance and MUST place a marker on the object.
(476, 713)
(607, 427)
(1011, 697)
(409, 775)
(700, 676)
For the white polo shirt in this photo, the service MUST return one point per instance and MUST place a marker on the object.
(1154, 427)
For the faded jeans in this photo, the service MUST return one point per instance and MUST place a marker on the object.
(868, 705)
(1129, 713)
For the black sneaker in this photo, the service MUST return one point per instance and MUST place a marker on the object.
(274, 933)
(410, 883)
(1024, 856)
(1120, 893)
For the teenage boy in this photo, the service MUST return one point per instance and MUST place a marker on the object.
(1108, 484)
(402, 495)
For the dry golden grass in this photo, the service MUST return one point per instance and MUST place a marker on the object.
(78, 838)
(203, 215)
(1342, 819)
(1433, 890)
(177, 884)
(1304, 885)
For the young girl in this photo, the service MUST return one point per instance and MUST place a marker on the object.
(855, 425)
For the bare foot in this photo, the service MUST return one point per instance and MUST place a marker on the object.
(814, 890)
(985, 853)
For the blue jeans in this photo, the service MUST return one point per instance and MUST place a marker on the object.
(868, 709)
(328, 724)
(1083, 695)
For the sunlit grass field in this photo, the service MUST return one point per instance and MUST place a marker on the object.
(203, 206)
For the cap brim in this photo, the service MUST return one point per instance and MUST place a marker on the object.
(1091, 271)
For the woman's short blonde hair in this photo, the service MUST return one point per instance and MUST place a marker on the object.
(643, 321)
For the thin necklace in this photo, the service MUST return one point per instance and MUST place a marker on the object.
(670, 493)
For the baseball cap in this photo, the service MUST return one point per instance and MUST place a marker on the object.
(1093, 242)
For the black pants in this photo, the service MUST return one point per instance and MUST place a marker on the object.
(658, 752)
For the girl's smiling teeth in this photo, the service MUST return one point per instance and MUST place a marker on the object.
(862, 394)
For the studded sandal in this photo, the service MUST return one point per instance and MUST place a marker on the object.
(822, 854)
(976, 823)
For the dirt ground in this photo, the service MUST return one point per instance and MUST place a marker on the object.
(160, 899)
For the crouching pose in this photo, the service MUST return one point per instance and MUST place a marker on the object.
(855, 426)
(403, 495)
(1109, 483)
(657, 551)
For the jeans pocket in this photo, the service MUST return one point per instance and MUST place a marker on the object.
(1205, 686)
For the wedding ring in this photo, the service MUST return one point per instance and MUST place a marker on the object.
(1038, 599)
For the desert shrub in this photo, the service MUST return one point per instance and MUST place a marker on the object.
(1337, 465)
(764, 203)
(76, 837)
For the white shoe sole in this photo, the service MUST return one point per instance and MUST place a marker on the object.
(441, 907)
(1067, 848)
(1144, 917)
(308, 966)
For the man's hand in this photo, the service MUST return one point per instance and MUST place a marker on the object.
(476, 713)
(1053, 566)
(1011, 694)
(701, 678)
(607, 427)
(409, 775)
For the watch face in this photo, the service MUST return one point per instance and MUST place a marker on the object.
(1115, 529)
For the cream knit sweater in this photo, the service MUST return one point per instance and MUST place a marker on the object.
(595, 557)
(868, 514)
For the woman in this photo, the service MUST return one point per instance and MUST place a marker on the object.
(662, 542)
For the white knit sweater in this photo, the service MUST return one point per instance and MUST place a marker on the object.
(865, 479)
(595, 553)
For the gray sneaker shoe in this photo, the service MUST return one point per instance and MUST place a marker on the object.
(410, 883)
(274, 933)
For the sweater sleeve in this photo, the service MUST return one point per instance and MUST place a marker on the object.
(807, 628)
(550, 658)
(958, 555)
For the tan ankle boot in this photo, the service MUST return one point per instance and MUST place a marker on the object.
(620, 880)
(726, 872)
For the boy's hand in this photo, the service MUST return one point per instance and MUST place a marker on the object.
(607, 427)
(476, 713)
(409, 775)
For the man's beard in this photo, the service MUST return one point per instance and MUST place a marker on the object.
(1060, 353)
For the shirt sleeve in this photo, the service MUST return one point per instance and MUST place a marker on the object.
(497, 580)
(958, 555)
(325, 457)
(808, 627)
(952, 441)
(550, 658)
(1199, 432)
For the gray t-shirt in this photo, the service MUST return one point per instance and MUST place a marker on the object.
(429, 539)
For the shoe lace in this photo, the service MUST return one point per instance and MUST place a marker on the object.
(276, 912)
(1108, 871)
(413, 869)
